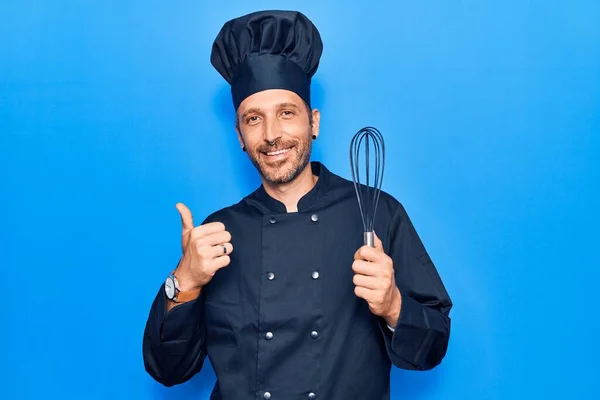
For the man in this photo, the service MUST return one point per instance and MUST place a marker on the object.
(278, 290)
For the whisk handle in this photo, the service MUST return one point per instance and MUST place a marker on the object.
(370, 239)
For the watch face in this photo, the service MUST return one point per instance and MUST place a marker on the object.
(170, 288)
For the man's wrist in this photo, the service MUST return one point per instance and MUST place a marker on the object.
(186, 284)
(392, 316)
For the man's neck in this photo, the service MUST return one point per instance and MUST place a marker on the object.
(290, 193)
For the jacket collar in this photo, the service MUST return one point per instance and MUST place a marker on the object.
(306, 202)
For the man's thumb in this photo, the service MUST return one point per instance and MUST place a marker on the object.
(187, 222)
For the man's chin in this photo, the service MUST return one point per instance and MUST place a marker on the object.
(279, 176)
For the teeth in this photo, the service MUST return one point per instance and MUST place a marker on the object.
(275, 153)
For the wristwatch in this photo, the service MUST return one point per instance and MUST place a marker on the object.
(174, 293)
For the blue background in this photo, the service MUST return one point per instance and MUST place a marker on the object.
(110, 113)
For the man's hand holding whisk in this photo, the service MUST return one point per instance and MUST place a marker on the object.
(374, 281)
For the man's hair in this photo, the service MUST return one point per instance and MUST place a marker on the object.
(308, 110)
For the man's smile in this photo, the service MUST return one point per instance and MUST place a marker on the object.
(278, 152)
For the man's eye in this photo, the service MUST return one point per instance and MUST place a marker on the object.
(287, 113)
(252, 119)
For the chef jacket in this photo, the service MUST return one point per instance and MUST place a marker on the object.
(282, 321)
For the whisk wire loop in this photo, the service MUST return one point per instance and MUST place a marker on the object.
(368, 193)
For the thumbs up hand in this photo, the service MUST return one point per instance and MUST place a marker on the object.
(374, 281)
(206, 249)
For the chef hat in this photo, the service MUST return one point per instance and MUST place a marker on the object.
(267, 50)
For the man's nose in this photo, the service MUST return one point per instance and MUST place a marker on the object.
(272, 130)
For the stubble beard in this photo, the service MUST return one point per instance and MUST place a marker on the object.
(286, 170)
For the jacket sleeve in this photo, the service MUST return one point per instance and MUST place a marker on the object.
(420, 338)
(174, 345)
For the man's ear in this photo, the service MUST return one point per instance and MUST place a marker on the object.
(316, 114)
(240, 138)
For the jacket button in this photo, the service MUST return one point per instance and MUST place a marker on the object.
(314, 334)
(314, 217)
(272, 220)
(270, 276)
(269, 335)
(267, 396)
(315, 275)
(312, 396)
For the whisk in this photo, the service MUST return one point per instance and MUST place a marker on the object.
(368, 194)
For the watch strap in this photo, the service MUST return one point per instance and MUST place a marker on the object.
(188, 295)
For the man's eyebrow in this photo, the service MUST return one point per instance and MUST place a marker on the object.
(278, 106)
(250, 111)
(287, 105)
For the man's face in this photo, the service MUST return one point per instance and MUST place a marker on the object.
(274, 126)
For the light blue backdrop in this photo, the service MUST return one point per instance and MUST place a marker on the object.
(110, 113)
